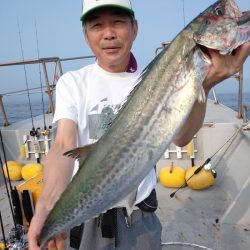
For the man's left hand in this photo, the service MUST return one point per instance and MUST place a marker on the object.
(224, 66)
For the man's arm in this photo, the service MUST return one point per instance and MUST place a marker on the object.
(222, 67)
(58, 171)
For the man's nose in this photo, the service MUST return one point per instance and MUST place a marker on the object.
(109, 33)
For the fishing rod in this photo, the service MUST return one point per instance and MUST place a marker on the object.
(46, 131)
(5, 159)
(207, 164)
(3, 234)
(5, 182)
(16, 233)
(25, 73)
(40, 76)
(33, 132)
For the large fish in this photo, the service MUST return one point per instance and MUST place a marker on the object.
(152, 116)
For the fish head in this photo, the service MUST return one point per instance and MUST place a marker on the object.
(220, 28)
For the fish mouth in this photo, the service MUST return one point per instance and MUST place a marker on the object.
(238, 35)
(245, 18)
(205, 52)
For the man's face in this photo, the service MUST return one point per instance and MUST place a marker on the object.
(110, 34)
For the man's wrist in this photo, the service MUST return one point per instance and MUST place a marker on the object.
(206, 88)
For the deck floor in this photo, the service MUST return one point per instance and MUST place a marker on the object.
(8, 222)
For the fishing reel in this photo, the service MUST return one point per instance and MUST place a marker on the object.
(34, 132)
(17, 238)
(46, 131)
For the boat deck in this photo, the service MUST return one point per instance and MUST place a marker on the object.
(197, 217)
(218, 217)
(8, 222)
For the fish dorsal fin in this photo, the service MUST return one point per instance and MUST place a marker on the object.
(149, 66)
(139, 80)
(80, 153)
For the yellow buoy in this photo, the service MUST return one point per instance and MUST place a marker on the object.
(14, 169)
(172, 176)
(30, 170)
(202, 180)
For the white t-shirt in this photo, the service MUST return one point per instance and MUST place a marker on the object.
(91, 97)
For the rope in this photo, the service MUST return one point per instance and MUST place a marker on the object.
(185, 244)
(25, 73)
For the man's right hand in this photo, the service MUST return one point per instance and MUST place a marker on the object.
(35, 228)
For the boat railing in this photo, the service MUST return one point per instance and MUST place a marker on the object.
(49, 86)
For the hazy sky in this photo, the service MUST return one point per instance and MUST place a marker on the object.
(60, 34)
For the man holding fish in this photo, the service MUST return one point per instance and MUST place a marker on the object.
(87, 101)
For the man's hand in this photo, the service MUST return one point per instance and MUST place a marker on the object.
(58, 243)
(224, 66)
(36, 225)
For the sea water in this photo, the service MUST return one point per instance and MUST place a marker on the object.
(17, 110)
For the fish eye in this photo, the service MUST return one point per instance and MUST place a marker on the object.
(218, 11)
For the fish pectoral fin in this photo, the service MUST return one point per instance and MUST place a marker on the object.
(130, 201)
(80, 153)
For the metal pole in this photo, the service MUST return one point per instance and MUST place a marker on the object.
(244, 114)
(53, 85)
(215, 97)
(60, 67)
(48, 88)
(240, 93)
(6, 123)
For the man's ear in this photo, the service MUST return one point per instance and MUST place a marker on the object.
(85, 34)
(135, 24)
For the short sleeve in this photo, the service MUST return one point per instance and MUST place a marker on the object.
(66, 92)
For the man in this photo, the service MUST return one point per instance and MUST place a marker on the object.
(87, 100)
